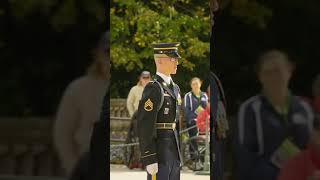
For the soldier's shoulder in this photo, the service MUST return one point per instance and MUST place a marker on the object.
(177, 86)
(152, 85)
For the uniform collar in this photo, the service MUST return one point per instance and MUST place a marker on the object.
(167, 79)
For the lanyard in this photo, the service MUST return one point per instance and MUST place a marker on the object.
(285, 110)
(285, 116)
(198, 97)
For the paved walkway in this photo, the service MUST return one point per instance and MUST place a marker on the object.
(120, 172)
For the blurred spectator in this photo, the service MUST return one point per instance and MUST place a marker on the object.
(305, 165)
(316, 94)
(136, 92)
(132, 153)
(272, 122)
(220, 127)
(202, 116)
(80, 108)
(195, 102)
(98, 153)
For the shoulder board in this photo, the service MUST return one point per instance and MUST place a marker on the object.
(161, 92)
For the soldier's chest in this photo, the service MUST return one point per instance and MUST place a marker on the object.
(167, 112)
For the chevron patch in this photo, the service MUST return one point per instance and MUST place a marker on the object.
(148, 105)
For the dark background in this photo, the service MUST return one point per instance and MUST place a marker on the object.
(293, 27)
(39, 55)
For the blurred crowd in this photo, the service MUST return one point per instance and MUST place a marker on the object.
(276, 133)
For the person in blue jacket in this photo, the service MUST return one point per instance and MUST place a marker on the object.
(195, 101)
(271, 122)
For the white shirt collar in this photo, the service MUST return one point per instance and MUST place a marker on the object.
(167, 79)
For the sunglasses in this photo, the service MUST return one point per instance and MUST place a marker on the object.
(175, 60)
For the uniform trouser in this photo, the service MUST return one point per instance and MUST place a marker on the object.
(167, 172)
(218, 164)
(193, 148)
(168, 159)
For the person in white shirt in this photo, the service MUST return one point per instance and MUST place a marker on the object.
(135, 93)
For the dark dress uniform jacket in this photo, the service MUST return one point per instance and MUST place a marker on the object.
(159, 146)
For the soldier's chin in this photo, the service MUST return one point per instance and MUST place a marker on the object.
(174, 72)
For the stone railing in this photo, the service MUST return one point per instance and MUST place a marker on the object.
(119, 127)
(26, 147)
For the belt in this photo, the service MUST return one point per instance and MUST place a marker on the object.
(166, 126)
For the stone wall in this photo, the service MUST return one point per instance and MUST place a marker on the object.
(26, 146)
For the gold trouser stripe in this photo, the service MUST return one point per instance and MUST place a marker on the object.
(154, 177)
(148, 155)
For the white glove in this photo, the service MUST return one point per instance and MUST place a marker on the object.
(152, 168)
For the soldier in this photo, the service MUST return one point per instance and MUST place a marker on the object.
(158, 115)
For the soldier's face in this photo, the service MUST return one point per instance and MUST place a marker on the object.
(170, 64)
(174, 65)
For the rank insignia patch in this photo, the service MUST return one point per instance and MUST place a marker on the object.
(148, 105)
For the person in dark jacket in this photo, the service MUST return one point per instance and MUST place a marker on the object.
(273, 124)
(195, 102)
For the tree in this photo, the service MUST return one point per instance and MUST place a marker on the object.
(137, 24)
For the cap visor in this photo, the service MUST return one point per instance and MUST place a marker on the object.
(173, 55)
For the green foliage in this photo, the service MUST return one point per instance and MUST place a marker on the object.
(60, 15)
(137, 24)
(251, 12)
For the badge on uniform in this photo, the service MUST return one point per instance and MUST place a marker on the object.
(148, 105)
(164, 83)
(166, 111)
(179, 100)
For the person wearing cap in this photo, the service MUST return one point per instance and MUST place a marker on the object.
(158, 115)
(133, 153)
(136, 92)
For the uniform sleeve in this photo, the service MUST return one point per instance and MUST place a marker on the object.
(250, 165)
(187, 108)
(214, 97)
(146, 120)
(130, 101)
(64, 127)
